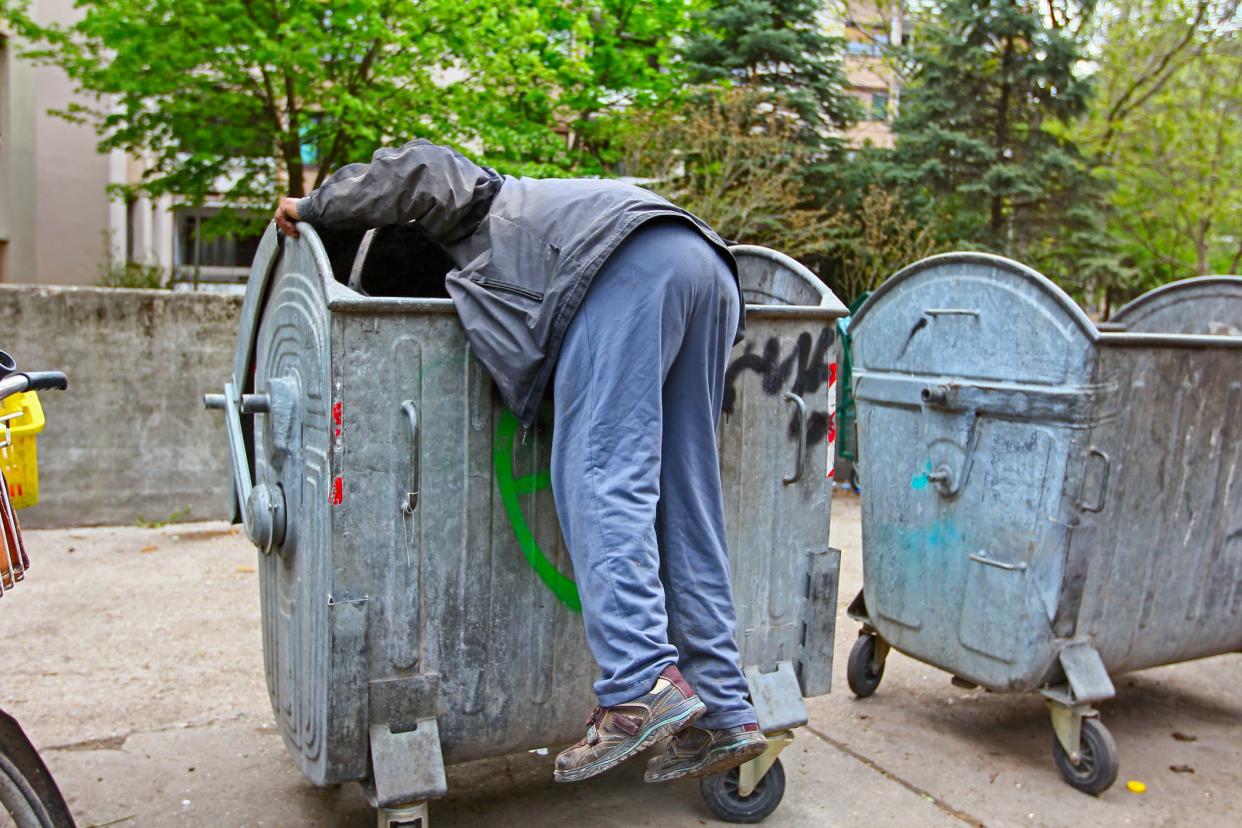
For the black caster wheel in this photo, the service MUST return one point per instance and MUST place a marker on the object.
(863, 672)
(1097, 766)
(721, 794)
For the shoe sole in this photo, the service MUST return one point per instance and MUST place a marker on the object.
(717, 761)
(675, 721)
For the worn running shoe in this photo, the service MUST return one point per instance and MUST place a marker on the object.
(614, 734)
(697, 752)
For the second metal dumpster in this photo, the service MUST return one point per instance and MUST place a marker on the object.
(1047, 504)
(417, 599)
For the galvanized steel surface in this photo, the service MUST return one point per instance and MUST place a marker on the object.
(385, 608)
(1031, 482)
(1203, 305)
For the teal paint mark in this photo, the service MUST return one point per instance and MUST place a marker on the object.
(919, 481)
(510, 487)
(943, 533)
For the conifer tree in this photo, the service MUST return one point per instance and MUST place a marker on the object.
(982, 133)
(780, 49)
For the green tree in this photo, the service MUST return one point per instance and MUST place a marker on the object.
(245, 99)
(779, 49)
(736, 164)
(548, 87)
(978, 126)
(1166, 130)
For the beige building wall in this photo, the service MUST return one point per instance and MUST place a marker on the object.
(57, 224)
(869, 27)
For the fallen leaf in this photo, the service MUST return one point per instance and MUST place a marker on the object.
(1181, 768)
(150, 548)
(1184, 737)
(245, 569)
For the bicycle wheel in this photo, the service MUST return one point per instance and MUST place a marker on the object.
(20, 802)
(29, 797)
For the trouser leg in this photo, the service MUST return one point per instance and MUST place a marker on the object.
(695, 566)
(638, 393)
(606, 459)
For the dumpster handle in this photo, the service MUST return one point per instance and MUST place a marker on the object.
(801, 404)
(262, 505)
(982, 557)
(410, 502)
(1098, 504)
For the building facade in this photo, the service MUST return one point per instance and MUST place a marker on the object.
(57, 223)
(870, 29)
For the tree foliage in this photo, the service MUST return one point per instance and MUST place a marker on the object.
(243, 99)
(872, 239)
(779, 49)
(979, 127)
(1166, 130)
(736, 164)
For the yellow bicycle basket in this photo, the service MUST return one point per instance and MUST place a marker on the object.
(21, 418)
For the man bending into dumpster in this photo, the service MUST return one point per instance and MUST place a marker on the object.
(628, 307)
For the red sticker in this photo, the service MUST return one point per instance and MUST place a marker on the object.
(338, 490)
(336, 412)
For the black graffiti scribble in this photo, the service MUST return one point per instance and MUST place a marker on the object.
(807, 364)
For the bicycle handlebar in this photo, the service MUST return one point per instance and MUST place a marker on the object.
(47, 380)
(20, 381)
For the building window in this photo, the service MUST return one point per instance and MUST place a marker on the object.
(864, 48)
(879, 106)
(203, 254)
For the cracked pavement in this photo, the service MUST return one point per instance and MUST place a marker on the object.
(133, 659)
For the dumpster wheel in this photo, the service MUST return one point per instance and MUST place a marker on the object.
(1098, 763)
(865, 667)
(722, 793)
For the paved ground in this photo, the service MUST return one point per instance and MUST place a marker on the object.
(133, 658)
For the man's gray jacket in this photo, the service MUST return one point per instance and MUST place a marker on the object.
(525, 249)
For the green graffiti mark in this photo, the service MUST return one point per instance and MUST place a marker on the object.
(502, 458)
(919, 481)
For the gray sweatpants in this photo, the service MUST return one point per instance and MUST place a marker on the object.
(636, 474)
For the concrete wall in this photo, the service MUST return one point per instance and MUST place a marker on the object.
(130, 437)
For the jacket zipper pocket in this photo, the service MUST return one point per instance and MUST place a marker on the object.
(510, 288)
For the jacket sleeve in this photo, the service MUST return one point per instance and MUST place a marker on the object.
(446, 193)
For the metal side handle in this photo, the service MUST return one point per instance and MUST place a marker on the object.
(1096, 504)
(410, 501)
(262, 507)
(801, 459)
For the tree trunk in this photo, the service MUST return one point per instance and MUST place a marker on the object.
(293, 163)
(1201, 247)
(1001, 135)
(292, 142)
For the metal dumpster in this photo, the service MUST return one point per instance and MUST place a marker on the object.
(417, 598)
(1210, 305)
(847, 417)
(1047, 504)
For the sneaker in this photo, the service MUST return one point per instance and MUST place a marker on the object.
(696, 752)
(614, 734)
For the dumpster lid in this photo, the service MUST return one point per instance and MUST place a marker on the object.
(1034, 277)
(1209, 305)
(774, 284)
